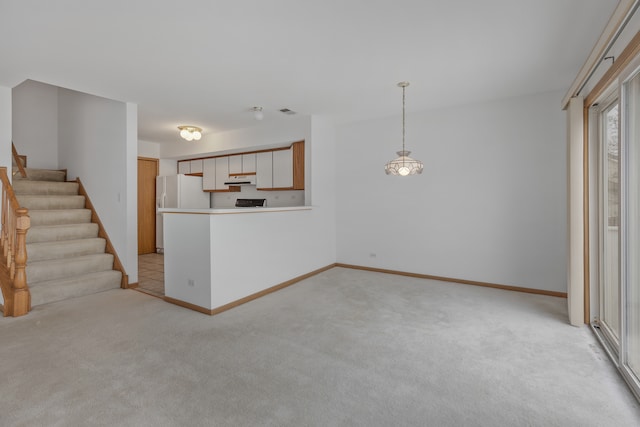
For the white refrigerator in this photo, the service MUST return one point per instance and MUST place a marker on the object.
(178, 191)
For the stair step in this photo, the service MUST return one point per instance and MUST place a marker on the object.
(64, 249)
(59, 216)
(49, 233)
(50, 202)
(25, 186)
(40, 175)
(52, 269)
(61, 289)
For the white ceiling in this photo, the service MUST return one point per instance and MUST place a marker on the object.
(207, 62)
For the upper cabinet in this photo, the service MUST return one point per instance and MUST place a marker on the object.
(184, 166)
(222, 172)
(190, 167)
(196, 166)
(249, 163)
(264, 170)
(209, 174)
(283, 169)
(242, 164)
(277, 169)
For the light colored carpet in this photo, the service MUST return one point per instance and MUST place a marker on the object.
(344, 348)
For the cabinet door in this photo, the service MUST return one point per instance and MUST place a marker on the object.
(209, 174)
(222, 172)
(283, 169)
(184, 166)
(196, 166)
(249, 163)
(235, 164)
(264, 170)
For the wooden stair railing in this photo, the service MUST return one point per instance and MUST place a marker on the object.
(13, 236)
(19, 160)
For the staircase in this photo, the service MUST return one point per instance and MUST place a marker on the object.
(65, 256)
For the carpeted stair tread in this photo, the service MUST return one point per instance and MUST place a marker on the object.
(59, 216)
(86, 284)
(50, 202)
(40, 175)
(48, 233)
(40, 271)
(24, 186)
(64, 249)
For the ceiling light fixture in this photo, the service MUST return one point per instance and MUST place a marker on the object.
(257, 113)
(403, 165)
(190, 132)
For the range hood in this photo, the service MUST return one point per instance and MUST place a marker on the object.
(241, 180)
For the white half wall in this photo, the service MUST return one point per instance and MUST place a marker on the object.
(35, 123)
(490, 205)
(98, 144)
(320, 180)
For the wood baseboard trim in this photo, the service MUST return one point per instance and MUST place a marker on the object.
(460, 281)
(133, 285)
(269, 290)
(248, 298)
(187, 305)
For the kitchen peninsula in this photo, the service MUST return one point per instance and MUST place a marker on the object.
(218, 258)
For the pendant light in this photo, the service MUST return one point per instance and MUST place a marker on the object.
(403, 165)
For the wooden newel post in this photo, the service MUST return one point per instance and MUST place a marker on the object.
(21, 294)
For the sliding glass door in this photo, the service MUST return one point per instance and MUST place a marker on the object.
(617, 320)
(630, 289)
(609, 319)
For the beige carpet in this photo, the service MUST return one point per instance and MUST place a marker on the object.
(344, 348)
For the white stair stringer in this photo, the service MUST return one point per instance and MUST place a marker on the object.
(65, 256)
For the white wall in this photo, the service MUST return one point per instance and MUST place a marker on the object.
(95, 143)
(148, 149)
(490, 205)
(35, 123)
(5, 136)
(5, 128)
(152, 150)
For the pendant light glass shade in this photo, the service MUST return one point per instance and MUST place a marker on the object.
(403, 165)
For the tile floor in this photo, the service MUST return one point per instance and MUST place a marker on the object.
(151, 274)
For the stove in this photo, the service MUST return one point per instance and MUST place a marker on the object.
(251, 203)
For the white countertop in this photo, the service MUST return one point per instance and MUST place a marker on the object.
(233, 210)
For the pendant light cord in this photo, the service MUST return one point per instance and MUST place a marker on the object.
(403, 151)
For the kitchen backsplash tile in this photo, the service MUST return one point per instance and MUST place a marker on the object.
(275, 199)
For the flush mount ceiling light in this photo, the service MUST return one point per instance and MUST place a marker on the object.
(403, 165)
(257, 113)
(190, 133)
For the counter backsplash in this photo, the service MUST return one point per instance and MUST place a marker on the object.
(275, 199)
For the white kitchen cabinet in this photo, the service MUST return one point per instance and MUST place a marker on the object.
(222, 172)
(283, 169)
(264, 170)
(235, 164)
(196, 166)
(249, 163)
(209, 174)
(184, 167)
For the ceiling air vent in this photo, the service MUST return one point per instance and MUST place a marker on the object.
(287, 111)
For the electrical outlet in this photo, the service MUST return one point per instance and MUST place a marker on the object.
(191, 282)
